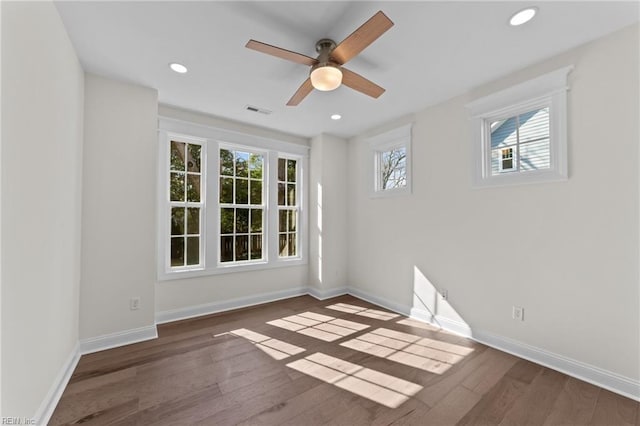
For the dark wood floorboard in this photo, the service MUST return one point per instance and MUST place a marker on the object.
(299, 362)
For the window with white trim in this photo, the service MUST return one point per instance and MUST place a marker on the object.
(520, 134)
(288, 207)
(521, 143)
(391, 155)
(392, 168)
(185, 204)
(241, 205)
(228, 202)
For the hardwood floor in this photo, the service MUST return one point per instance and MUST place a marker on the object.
(341, 361)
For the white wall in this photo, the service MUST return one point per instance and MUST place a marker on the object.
(119, 207)
(0, 214)
(566, 252)
(42, 107)
(177, 298)
(328, 214)
(189, 116)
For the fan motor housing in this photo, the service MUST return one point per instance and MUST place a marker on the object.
(324, 47)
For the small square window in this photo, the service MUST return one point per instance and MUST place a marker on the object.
(520, 133)
(521, 143)
(392, 166)
(391, 152)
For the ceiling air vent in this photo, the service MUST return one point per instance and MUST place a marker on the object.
(256, 109)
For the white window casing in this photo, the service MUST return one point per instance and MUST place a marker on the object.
(212, 139)
(548, 90)
(395, 139)
(168, 204)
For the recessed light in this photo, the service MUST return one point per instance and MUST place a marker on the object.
(179, 68)
(524, 16)
(336, 117)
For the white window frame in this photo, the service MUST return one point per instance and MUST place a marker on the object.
(399, 137)
(168, 204)
(265, 180)
(295, 207)
(212, 139)
(548, 90)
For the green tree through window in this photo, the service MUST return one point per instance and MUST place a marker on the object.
(241, 206)
(185, 198)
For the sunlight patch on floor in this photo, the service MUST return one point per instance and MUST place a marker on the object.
(276, 349)
(379, 387)
(364, 312)
(323, 327)
(426, 354)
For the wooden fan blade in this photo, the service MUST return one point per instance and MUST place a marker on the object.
(361, 38)
(278, 52)
(301, 93)
(361, 84)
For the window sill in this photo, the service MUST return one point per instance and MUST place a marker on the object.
(520, 178)
(391, 193)
(230, 269)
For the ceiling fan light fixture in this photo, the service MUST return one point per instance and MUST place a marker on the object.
(326, 77)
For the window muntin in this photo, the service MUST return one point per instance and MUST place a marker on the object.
(185, 204)
(241, 204)
(392, 166)
(521, 143)
(288, 207)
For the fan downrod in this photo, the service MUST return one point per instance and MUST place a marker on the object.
(324, 45)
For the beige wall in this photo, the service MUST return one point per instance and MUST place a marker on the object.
(42, 101)
(176, 298)
(119, 207)
(179, 297)
(328, 214)
(567, 252)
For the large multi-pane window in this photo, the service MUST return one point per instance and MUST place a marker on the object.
(241, 205)
(185, 203)
(228, 202)
(288, 207)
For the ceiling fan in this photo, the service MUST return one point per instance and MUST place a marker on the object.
(327, 71)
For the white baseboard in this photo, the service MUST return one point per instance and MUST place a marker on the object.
(371, 298)
(226, 305)
(580, 370)
(326, 294)
(121, 338)
(48, 405)
(597, 376)
(448, 324)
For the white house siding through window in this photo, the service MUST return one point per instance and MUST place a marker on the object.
(521, 143)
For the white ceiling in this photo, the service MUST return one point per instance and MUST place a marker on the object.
(435, 51)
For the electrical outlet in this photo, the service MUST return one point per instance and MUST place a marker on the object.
(134, 303)
(444, 294)
(518, 313)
